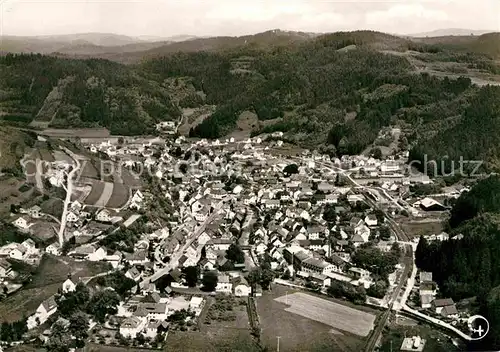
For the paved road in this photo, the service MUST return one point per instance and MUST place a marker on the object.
(174, 260)
(408, 260)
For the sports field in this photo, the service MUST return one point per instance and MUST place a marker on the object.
(307, 327)
(330, 313)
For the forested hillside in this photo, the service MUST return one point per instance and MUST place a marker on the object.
(336, 90)
(470, 267)
(473, 137)
(81, 93)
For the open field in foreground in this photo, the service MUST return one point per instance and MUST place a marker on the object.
(212, 340)
(329, 313)
(299, 333)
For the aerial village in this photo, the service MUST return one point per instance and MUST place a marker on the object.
(222, 218)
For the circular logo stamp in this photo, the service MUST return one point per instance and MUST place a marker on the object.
(478, 327)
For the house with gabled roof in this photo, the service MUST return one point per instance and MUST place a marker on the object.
(240, 286)
(371, 220)
(43, 312)
(133, 273)
(133, 325)
(54, 249)
(5, 268)
(35, 212)
(68, 286)
(22, 223)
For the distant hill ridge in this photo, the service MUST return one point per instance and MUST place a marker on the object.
(126, 49)
(451, 32)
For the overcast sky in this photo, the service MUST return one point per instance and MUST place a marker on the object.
(237, 17)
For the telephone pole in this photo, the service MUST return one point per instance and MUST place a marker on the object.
(278, 346)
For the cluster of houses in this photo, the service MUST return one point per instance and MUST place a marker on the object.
(445, 307)
(230, 194)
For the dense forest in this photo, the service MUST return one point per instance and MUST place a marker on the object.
(81, 93)
(473, 137)
(470, 267)
(337, 90)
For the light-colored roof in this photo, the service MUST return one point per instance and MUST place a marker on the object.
(224, 279)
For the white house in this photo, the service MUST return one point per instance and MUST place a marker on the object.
(98, 255)
(68, 286)
(35, 212)
(363, 231)
(195, 303)
(207, 264)
(17, 251)
(22, 223)
(204, 238)
(103, 216)
(152, 328)
(131, 326)
(224, 285)
(71, 217)
(219, 244)
(260, 248)
(53, 249)
(371, 220)
(30, 246)
(241, 287)
(43, 312)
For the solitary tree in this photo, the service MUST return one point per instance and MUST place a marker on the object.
(210, 281)
(191, 273)
(78, 327)
(291, 169)
(103, 303)
(235, 254)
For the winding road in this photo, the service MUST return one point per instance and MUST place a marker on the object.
(69, 192)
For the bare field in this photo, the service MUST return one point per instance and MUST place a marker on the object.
(76, 132)
(330, 313)
(246, 123)
(10, 193)
(119, 197)
(95, 194)
(89, 170)
(107, 191)
(299, 333)
(46, 155)
(416, 228)
(213, 340)
(61, 156)
(25, 302)
(129, 179)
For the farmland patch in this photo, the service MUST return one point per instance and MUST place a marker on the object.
(119, 197)
(107, 191)
(95, 193)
